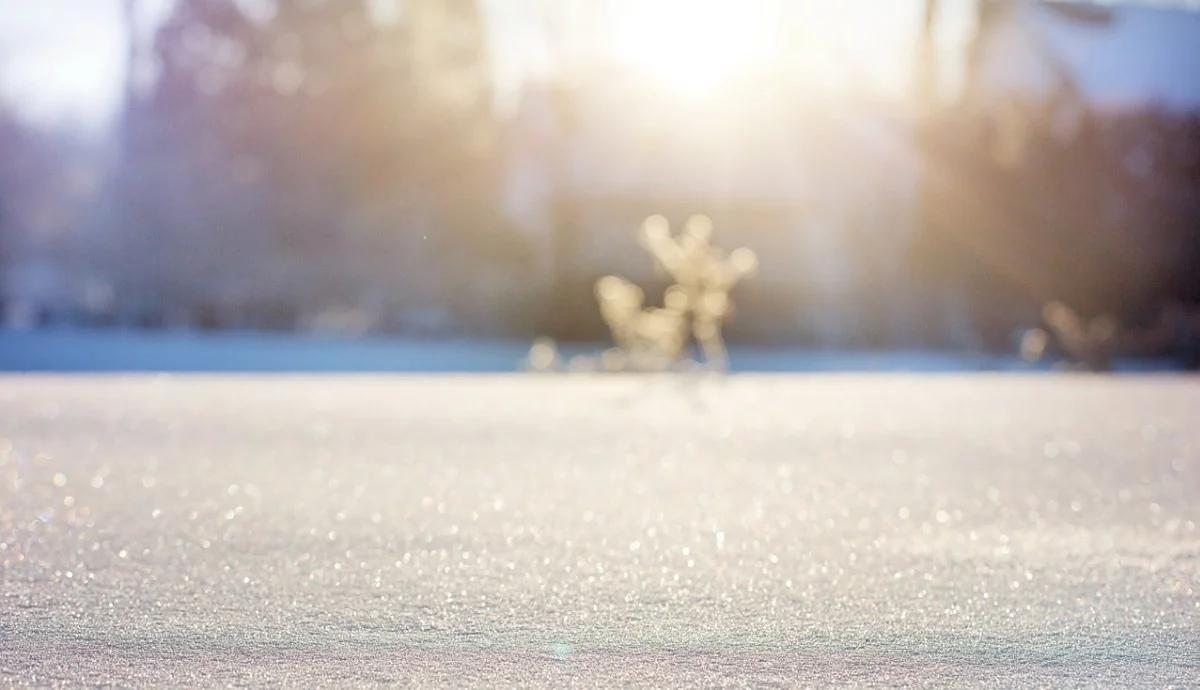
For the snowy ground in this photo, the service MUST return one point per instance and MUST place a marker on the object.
(569, 530)
(114, 350)
(69, 350)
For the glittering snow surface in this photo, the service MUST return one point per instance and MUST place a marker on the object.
(575, 530)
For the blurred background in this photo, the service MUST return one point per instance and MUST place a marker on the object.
(914, 175)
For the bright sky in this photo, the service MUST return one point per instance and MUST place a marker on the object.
(63, 60)
(59, 57)
(692, 45)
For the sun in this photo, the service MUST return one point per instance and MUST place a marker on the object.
(693, 46)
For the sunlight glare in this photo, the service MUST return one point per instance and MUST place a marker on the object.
(693, 46)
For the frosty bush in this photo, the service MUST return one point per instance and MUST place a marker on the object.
(647, 339)
(1094, 344)
(1090, 343)
(694, 307)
